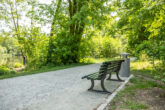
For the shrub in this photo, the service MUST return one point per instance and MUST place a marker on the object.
(111, 47)
(4, 70)
(163, 77)
(143, 56)
(12, 72)
(100, 47)
(17, 65)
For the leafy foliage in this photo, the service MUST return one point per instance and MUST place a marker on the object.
(5, 70)
(100, 47)
(143, 24)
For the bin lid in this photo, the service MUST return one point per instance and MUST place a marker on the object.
(124, 55)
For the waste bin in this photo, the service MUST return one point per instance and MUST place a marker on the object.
(125, 66)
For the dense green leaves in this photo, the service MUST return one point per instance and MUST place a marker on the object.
(65, 43)
(142, 21)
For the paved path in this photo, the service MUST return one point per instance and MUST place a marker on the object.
(56, 90)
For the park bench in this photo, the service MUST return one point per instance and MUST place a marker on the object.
(107, 68)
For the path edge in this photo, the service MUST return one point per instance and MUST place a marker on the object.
(112, 96)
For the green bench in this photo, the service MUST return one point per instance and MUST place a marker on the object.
(107, 68)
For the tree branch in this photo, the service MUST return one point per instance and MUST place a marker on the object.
(55, 17)
(11, 9)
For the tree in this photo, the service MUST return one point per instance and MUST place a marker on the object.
(138, 21)
(142, 21)
(53, 25)
(11, 13)
(29, 37)
(77, 15)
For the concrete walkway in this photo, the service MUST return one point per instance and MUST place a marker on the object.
(56, 90)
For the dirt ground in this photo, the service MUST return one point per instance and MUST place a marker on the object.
(154, 97)
(19, 69)
(139, 99)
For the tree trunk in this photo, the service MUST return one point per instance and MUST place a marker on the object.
(23, 57)
(16, 24)
(76, 28)
(49, 56)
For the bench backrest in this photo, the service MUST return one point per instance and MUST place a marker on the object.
(109, 67)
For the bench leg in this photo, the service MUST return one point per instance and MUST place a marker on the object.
(117, 74)
(92, 85)
(118, 78)
(100, 91)
(109, 78)
(103, 87)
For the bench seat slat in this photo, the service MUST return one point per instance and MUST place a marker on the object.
(93, 76)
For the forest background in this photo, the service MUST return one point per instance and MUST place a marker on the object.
(61, 32)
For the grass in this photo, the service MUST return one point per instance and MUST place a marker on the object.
(135, 106)
(144, 68)
(41, 70)
(141, 67)
(48, 68)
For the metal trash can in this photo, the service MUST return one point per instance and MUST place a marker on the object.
(125, 66)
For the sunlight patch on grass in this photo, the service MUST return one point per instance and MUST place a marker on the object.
(145, 68)
(143, 65)
(140, 65)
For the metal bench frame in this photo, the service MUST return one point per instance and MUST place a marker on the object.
(107, 68)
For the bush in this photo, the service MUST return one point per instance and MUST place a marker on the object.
(111, 47)
(4, 70)
(87, 60)
(100, 47)
(12, 72)
(17, 65)
(143, 56)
